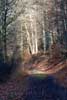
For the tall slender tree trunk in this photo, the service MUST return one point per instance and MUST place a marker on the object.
(32, 35)
(64, 21)
(5, 34)
(36, 39)
(44, 37)
(21, 41)
(28, 38)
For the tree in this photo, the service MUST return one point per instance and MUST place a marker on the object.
(9, 14)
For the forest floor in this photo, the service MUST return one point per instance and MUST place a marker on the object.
(47, 65)
(32, 88)
(26, 83)
(13, 89)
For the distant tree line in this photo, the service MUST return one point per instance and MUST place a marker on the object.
(31, 26)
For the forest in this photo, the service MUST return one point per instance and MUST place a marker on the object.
(33, 49)
(33, 35)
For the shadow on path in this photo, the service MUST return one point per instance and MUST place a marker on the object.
(44, 89)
